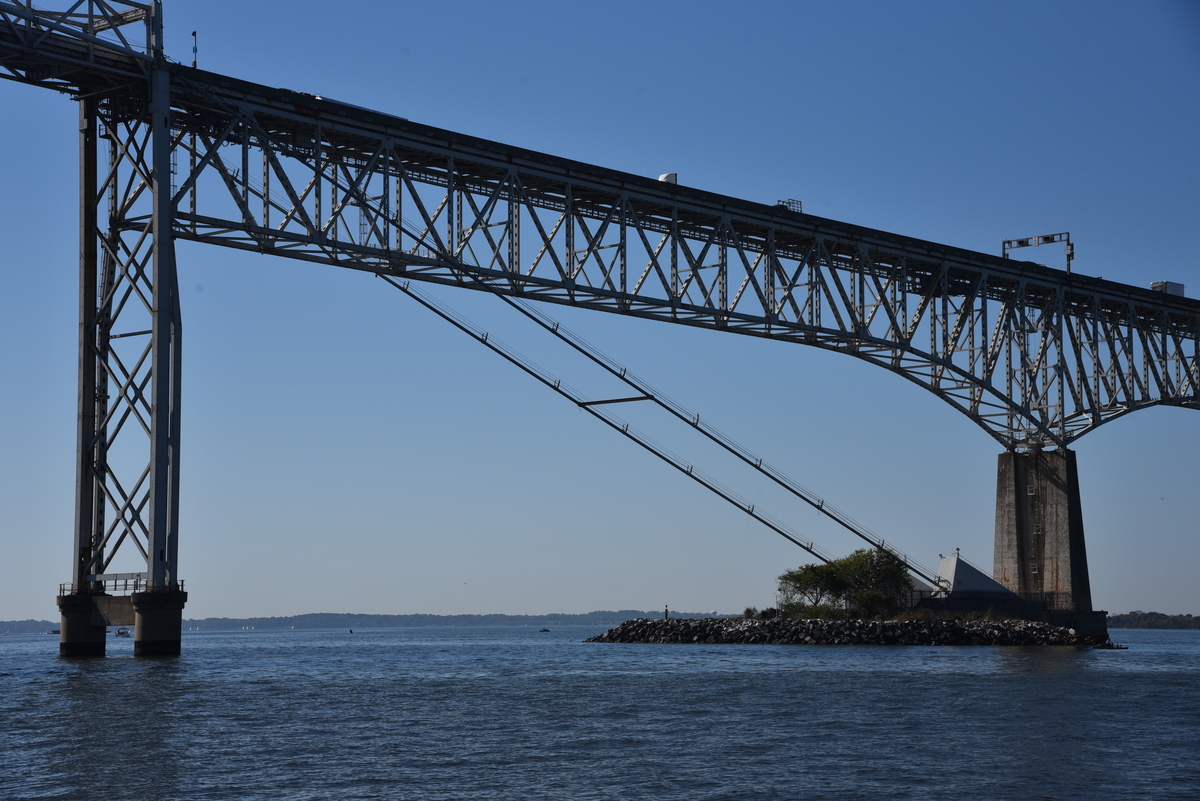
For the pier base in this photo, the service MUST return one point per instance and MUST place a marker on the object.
(1039, 529)
(158, 622)
(1092, 625)
(82, 628)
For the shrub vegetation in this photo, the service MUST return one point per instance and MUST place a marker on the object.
(867, 583)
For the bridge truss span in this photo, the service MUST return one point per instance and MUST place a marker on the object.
(1035, 356)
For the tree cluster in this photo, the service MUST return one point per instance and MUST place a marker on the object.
(1153, 620)
(867, 583)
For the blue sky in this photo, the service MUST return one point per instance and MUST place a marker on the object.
(343, 451)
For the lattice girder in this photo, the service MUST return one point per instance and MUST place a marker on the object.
(1032, 355)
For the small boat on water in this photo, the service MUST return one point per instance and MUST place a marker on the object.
(1110, 646)
(541, 630)
(122, 632)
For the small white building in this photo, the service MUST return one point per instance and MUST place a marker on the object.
(960, 576)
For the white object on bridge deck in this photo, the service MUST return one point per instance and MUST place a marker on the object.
(1170, 287)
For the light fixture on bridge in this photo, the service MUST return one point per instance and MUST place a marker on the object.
(1045, 239)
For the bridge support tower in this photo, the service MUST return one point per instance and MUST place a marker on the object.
(1039, 527)
(130, 334)
(1039, 548)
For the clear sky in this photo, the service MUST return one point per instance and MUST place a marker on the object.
(343, 451)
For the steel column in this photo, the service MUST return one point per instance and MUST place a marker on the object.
(165, 360)
(82, 629)
(86, 441)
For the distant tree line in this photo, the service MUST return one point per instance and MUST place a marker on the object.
(1153, 620)
(27, 627)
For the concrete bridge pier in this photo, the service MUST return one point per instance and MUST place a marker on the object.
(156, 617)
(1039, 536)
(158, 622)
(1039, 527)
(82, 628)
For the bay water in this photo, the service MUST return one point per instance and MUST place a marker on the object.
(514, 713)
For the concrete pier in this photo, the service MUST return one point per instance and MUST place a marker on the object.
(82, 627)
(158, 622)
(1039, 528)
(157, 618)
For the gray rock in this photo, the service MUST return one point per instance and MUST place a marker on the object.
(840, 632)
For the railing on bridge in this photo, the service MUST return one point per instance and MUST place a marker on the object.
(116, 586)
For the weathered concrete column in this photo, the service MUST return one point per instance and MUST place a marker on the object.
(158, 622)
(1039, 527)
(82, 629)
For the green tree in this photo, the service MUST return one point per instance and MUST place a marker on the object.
(868, 571)
(812, 585)
(868, 582)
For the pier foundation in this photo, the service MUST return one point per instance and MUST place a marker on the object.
(82, 627)
(158, 622)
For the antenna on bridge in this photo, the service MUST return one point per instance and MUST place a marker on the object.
(1045, 239)
(193, 48)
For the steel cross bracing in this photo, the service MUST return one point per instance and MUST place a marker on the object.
(109, 55)
(1035, 356)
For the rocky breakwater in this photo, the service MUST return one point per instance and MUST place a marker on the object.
(740, 631)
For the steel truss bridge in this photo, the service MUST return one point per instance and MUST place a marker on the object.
(1036, 356)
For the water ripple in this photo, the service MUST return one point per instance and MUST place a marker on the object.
(510, 713)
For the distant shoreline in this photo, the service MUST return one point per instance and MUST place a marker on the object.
(1153, 620)
(1129, 620)
(353, 621)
